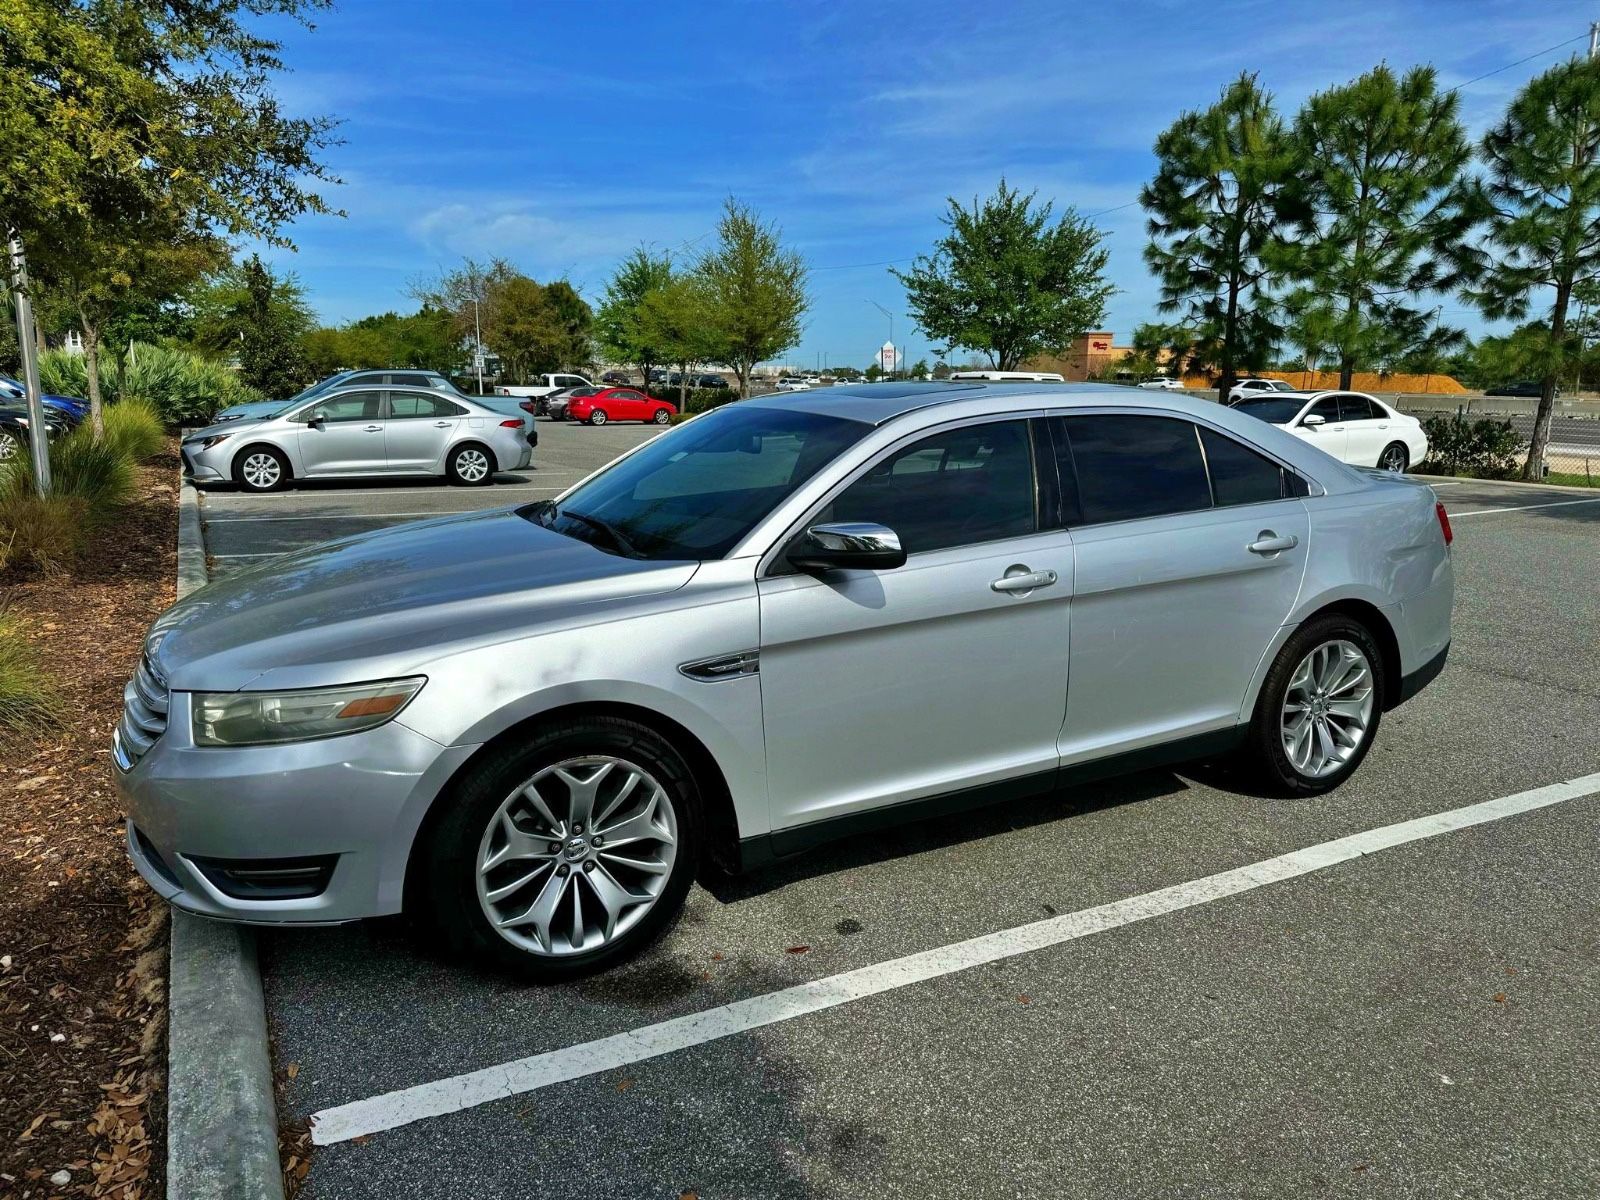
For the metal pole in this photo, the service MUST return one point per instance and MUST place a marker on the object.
(1594, 38)
(38, 435)
(477, 344)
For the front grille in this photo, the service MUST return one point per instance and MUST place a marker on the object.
(144, 713)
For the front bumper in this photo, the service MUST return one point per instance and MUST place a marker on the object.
(200, 818)
(198, 467)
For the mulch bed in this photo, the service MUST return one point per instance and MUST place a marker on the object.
(82, 940)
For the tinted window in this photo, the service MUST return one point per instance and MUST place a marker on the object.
(1130, 466)
(1273, 411)
(1238, 474)
(1357, 408)
(958, 487)
(351, 406)
(695, 491)
(1326, 408)
(408, 405)
(411, 380)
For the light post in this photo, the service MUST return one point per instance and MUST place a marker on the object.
(38, 436)
(477, 344)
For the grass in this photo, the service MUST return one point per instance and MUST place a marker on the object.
(48, 533)
(27, 701)
(1568, 479)
(133, 428)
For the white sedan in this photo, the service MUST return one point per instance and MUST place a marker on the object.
(1162, 385)
(1352, 426)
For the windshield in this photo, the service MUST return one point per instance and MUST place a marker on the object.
(695, 492)
(1276, 410)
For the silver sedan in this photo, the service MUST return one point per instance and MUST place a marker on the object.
(363, 431)
(801, 617)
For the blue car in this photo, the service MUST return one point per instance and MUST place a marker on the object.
(71, 408)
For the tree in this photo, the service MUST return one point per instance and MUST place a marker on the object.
(618, 322)
(755, 293)
(1382, 207)
(1006, 282)
(137, 135)
(1543, 194)
(269, 353)
(673, 320)
(573, 322)
(533, 327)
(1218, 206)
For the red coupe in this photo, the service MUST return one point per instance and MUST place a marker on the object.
(619, 404)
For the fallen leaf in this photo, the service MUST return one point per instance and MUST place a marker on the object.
(624, 1085)
(716, 956)
(292, 1070)
(1499, 997)
(798, 950)
(1511, 970)
(1024, 999)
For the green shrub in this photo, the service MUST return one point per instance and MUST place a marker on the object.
(27, 701)
(699, 399)
(88, 480)
(133, 429)
(180, 386)
(1485, 448)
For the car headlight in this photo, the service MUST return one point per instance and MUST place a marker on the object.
(206, 443)
(266, 718)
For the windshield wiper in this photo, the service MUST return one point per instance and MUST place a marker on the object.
(618, 538)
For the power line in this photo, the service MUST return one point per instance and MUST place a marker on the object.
(1518, 63)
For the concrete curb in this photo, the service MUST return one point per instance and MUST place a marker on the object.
(222, 1125)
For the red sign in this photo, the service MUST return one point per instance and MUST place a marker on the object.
(1099, 345)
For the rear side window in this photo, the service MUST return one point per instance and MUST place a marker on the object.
(1129, 467)
(1241, 476)
(411, 381)
(403, 405)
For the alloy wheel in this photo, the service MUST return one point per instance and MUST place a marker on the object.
(9, 446)
(472, 465)
(576, 856)
(662, 416)
(1394, 459)
(1327, 708)
(261, 470)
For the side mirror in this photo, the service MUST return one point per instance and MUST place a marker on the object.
(860, 545)
(1312, 420)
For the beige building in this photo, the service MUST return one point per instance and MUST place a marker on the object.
(1089, 354)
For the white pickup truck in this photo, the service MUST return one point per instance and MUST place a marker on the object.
(546, 385)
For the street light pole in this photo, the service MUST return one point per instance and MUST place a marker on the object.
(38, 435)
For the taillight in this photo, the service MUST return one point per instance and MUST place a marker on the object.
(1444, 522)
(528, 406)
(513, 423)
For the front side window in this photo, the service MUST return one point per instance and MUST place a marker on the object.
(1127, 467)
(1327, 408)
(955, 488)
(348, 406)
(695, 492)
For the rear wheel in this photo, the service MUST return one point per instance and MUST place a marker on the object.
(1319, 708)
(661, 416)
(597, 417)
(1394, 458)
(470, 465)
(10, 446)
(566, 853)
(261, 469)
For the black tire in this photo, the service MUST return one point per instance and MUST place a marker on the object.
(661, 417)
(597, 417)
(1263, 755)
(252, 478)
(446, 898)
(470, 464)
(1395, 457)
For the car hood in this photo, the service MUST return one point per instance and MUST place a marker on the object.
(235, 425)
(386, 603)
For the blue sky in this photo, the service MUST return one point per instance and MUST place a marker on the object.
(561, 134)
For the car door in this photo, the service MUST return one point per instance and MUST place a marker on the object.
(421, 426)
(946, 673)
(344, 435)
(1189, 550)
(1366, 429)
(1328, 437)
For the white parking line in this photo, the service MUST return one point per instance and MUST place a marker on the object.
(1479, 512)
(384, 516)
(392, 1109)
(313, 492)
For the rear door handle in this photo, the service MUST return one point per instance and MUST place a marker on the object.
(442, 424)
(1024, 581)
(1268, 542)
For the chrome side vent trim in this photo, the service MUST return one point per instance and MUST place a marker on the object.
(724, 666)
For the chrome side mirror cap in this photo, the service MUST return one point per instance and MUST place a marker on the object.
(860, 545)
(1312, 420)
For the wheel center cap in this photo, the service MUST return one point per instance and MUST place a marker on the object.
(576, 848)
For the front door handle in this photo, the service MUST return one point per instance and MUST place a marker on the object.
(1268, 542)
(1020, 579)
(374, 429)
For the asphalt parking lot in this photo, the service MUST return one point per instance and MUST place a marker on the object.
(1416, 1020)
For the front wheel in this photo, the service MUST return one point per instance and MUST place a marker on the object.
(470, 466)
(1319, 708)
(566, 853)
(597, 417)
(261, 469)
(1394, 458)
(661, 417)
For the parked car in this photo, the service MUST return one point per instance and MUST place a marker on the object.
(788, 384)
(779, 623)
(72, 409)
(1352, 426)
(619, 404)
(15, 429)
(1528, 387)
(1163, 384)
(355, 431)
(546, 384)
(1246, 388)
(387, 377)
(709, 381)
(619, 378)
(555, 404)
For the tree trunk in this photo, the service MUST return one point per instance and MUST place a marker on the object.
(1229, 330)
(683, 387)
(742, 370)
(1534, 467)
(91, 362)
(1347, 371)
